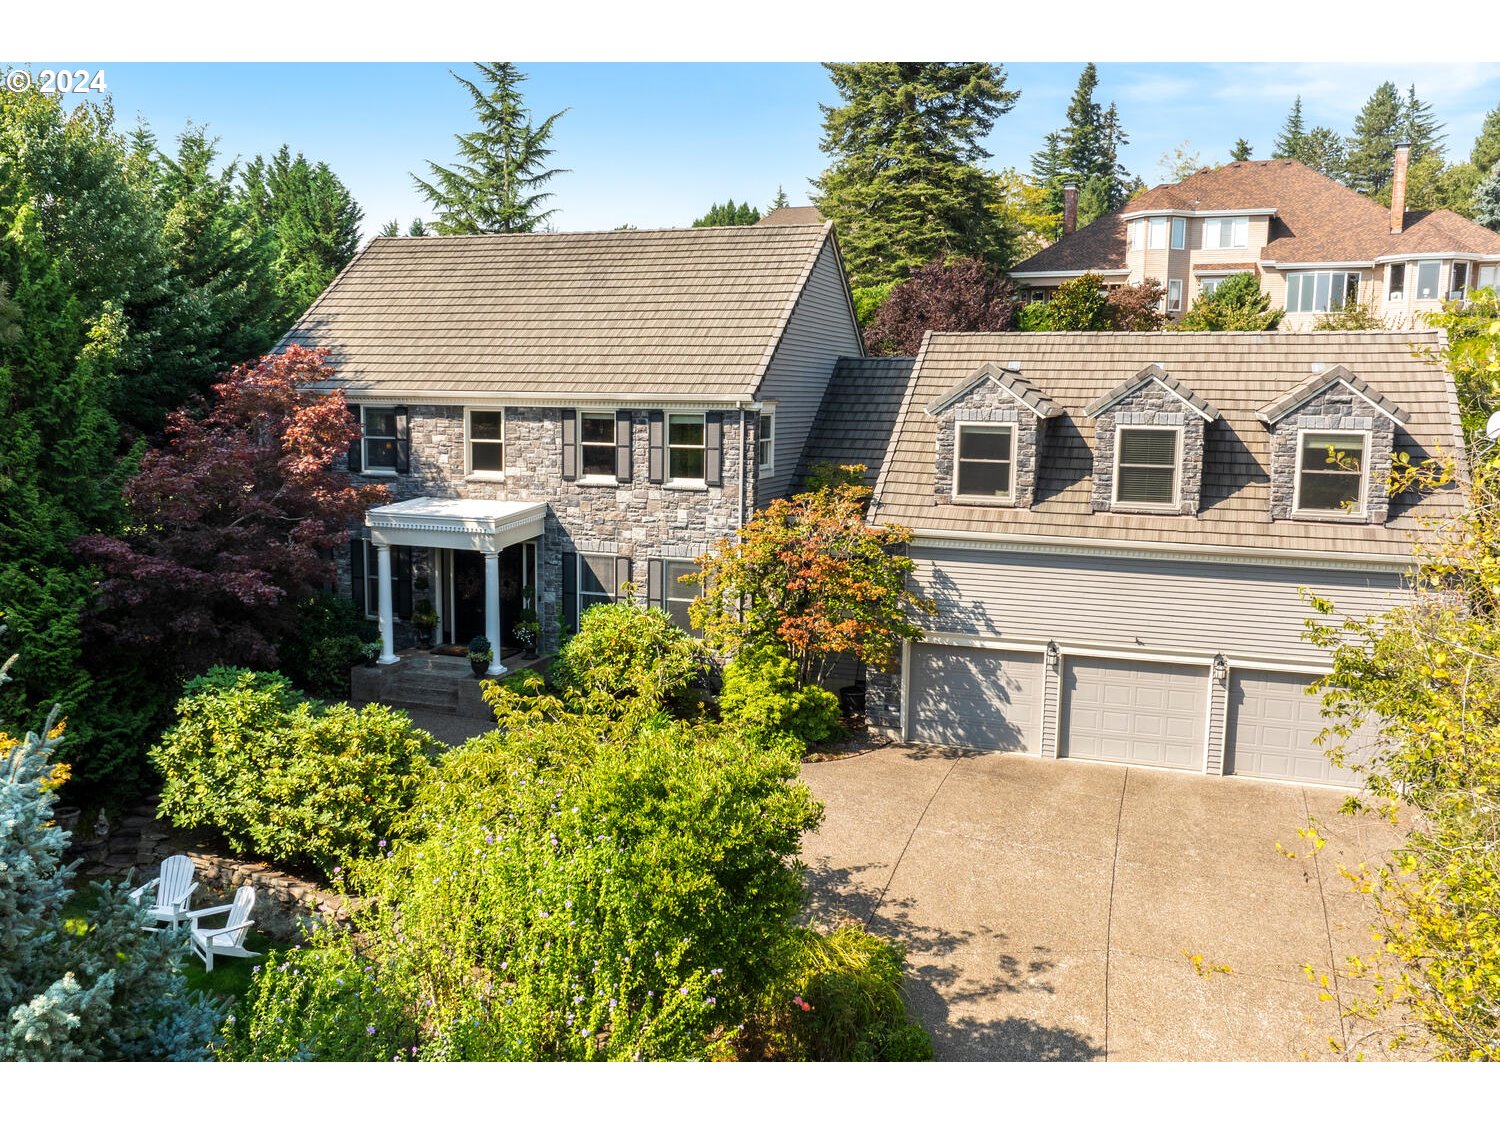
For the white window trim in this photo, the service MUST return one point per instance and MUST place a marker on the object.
(364, 449)
(958, 430)
(579, 443)
(1437, 289)
(1363, 511)
(1136, 505)
(1154, 225)
(1137, 234)
(1344, 275)
(1174, 294)
(471, 473)
(668, 585)
(1239, 232)
(668, 445)
(767, 466)
(1458, 292)
(1179, 234)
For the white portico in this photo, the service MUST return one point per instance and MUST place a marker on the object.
(485, 526)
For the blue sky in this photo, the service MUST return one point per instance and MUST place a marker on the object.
(654, 144)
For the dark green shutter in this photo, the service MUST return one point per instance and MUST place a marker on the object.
(622, 446)
(357, 574)
(656, 464)
(655, 588)
(713, 449)
(356, 447)
(570, 589)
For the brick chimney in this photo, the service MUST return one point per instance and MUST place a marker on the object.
(1398, 189)
(1070, 208)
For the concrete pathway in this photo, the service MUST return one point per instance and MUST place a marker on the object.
(1049, 907)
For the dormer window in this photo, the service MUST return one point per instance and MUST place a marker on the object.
(1331, 478)
(1148, 466)
(986, 461)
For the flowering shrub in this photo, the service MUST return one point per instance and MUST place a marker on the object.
(627, 655)
(560, 890)
(285, 778)
(762, 695)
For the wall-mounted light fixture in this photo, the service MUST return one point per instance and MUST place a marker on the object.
(1054, 655)
(1221, 670)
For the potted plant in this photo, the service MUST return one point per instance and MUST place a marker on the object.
(424, 621)
(370, 652)
(527, 630)
(480, 653)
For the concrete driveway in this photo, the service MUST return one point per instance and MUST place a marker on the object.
(1046, 905)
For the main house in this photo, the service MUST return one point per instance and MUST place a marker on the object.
(563, 418)
(1118, 529)
(1315, 244)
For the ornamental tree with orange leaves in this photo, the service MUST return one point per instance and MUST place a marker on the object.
(233, 522)
(808, 575)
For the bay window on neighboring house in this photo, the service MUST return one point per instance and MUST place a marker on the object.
(1427, 280)
(1135, 231)
(1321, 291)
(1226, 233)
(1156, 237)
(1460, 281)
(1174, 295)
(486, 442)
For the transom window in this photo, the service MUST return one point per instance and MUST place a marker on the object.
(679, 595)
(1146, 466)
(767, 442)
(380, 439)
(1427, 280)
(1330, 473)
(1321, 291)
(685, 455)
(1156, 237)
(1226, 233)
(486, 441)
(596, 445)
(985, 461)
(596, 580)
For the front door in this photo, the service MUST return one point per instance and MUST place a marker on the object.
(517, 566)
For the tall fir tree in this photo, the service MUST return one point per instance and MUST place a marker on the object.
(1486, 205)
(496, 187)
(1240, 150)
(1378, 129)
(780, 201)
(1086, 151)
(1047, 172)
(904, 186)
(1486, 153)
(1420, 127)
(1289, 141)
(1323, 150)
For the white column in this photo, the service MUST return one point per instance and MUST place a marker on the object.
(492, 610)
(387, 617)
(438, 600)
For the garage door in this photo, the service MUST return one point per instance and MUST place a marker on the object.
(1134, 712)
(1270, 727)
(975, 698)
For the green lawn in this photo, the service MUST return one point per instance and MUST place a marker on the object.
(231, 975)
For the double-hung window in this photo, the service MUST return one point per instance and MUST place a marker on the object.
(1321, 291)
(1156, 234)
(1226, 233)
(1489, 277)
(1179, 234)
(380, 439)
(685, 447)
(1460, 283)
(486, 442)
(1146, 466)
(1396, 278)
(678, 595)
(1427, 280)
(985, 463)
(767, 442)
(1330, 473)
(596, 581)
(596, 445)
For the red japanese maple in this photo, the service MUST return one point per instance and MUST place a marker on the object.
(234, 520)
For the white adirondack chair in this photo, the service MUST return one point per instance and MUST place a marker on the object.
(173, 888)
(227, 940)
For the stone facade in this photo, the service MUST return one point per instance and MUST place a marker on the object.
(1336, 407)
(883, 701)
(635, 519)
(991, 404)
(1150, 404)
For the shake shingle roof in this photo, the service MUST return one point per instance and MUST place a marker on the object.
(858, 414)
(784, 216)
(1237, 372)
(672, 312)
(1317, 220)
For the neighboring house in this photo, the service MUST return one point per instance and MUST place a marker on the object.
(561, 416)
(1315, 244)
(1117, 528)
(791, 216)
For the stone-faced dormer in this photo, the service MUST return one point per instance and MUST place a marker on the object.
(1331, 442)
(1148, 445)
(989, 430)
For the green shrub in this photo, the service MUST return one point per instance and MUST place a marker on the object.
(761, 695)
(1035, 317)
(840, 1001)
(282, 777)
(558, 893)
(627, 656)
(330, 637)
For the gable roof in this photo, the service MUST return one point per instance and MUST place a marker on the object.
(1006, 377)
(1274, 412)
(1152, 372)
(680, 313)
(1239, 372)
(858, 414)
(1316, 220)
(791, 216)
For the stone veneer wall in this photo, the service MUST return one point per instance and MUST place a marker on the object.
(637, 520)
(991, 404)
(1151, 404)
(883, 701)
(1335, 408)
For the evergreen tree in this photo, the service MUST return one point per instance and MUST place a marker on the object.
(1086, 151)
(1323, 150)
(1486, 152)
(729, 215)
(1237, 305)
(1240, 150)
(1048, 174)
(418, 229)
(780, 201)
(1486, 203)
(494, 189)
(1372, 145)
(1420, 127)
(1289, 140)
(392, 229)
(107, 989)
(905, 187)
